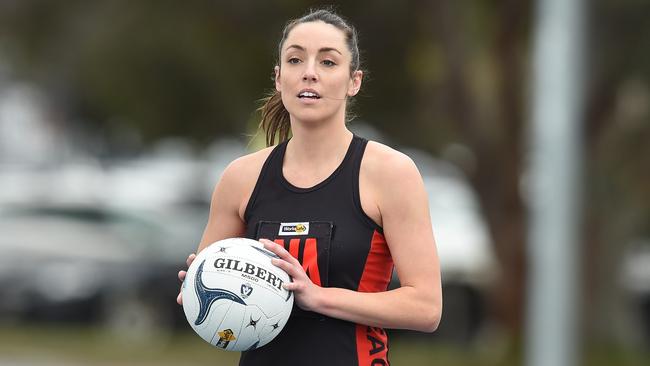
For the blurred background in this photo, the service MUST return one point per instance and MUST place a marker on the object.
(117, 118)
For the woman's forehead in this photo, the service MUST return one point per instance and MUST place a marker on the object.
(313, 36)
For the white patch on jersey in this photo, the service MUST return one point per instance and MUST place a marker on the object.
(294, 228)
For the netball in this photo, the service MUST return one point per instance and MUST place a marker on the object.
(233, 296)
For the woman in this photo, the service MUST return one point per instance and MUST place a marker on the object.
(338, 210)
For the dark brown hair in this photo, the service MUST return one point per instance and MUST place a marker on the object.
(275, 117)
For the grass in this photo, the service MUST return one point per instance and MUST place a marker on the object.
(92, 346)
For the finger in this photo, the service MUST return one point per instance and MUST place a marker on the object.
(279, 251)
(266, 241)
(181, 275)
(293, 271)
(190, 259)
(273, 246)
(290, 286)
(179, 298)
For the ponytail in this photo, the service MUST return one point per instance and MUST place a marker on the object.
(275, 119)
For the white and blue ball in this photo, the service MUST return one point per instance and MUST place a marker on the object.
(233, 295)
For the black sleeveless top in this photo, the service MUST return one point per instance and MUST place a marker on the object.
(325, 228)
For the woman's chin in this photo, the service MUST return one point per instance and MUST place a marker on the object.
(311, 117)
(314, 115)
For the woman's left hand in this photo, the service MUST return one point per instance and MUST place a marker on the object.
(305, 291)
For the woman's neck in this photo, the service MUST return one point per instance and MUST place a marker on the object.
(319, 143)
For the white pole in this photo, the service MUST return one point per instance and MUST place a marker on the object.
(555, 179)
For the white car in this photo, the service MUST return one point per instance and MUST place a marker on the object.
(88, 263)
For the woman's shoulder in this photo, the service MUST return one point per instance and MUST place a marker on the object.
(385, 169)
(247, 167)
(384, 172)
(239, 178)
(384, 162)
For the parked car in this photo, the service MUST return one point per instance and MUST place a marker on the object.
(84, 263)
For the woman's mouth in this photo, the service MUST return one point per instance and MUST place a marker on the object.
(311, 94)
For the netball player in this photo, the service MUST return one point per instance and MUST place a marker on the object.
(337, 209)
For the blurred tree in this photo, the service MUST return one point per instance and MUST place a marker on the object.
(618, 116)
(471, 68)
(161, 68)
(478, 97)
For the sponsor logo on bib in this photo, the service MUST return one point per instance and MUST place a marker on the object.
(294, 228)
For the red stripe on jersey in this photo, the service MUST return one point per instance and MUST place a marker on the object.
(310, 261)
(294, 245)
(372, 343)
(372, 346)
(310, 256)
(379, 266)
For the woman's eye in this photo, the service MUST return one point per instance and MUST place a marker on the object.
(329, 63)
(293, 60)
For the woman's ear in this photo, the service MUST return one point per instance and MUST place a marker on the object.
(277, 78)
(355, 83)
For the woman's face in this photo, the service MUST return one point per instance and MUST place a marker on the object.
(313, 76)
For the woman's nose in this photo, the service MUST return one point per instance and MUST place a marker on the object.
(310, 72)
(309, 77)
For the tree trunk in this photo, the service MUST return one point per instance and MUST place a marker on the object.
(499, 154)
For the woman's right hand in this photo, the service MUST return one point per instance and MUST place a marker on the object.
(181, 277)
